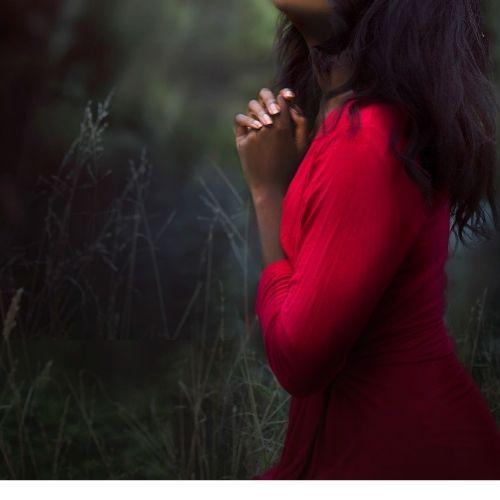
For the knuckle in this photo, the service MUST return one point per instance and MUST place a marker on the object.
(265, 93)
(280, 126)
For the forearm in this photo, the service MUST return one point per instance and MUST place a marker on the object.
(268, 207)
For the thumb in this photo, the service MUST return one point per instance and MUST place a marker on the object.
(297, 116)
(285, 109)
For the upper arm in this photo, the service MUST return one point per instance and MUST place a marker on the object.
(361, 213)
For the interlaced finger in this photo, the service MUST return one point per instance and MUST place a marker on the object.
(244, 123)
(256, 109)
(268, 100)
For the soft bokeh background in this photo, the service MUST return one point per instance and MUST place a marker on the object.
(124, 216)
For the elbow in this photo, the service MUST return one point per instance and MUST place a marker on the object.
(296, 386)
(300, 370)
(303, 381)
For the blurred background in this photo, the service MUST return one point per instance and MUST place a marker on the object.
(124, 216)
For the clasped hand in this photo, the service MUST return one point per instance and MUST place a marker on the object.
(271, 141)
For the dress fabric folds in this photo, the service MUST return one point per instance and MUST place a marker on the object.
(353, 320)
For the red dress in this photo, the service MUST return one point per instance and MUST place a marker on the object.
(353, 324)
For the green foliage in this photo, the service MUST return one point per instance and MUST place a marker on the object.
(181, 69)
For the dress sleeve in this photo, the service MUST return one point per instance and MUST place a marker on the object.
(361, 214)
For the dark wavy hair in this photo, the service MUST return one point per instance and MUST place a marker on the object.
(432, 60)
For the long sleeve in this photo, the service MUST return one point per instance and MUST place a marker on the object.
(360, 215)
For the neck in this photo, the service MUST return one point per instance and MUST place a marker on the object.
(338, 76)
(336, 101)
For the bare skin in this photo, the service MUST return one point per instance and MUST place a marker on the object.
(271, 137)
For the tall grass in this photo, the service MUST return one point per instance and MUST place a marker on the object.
(479, 350)
(221, 417)
(224, 419)
(80, 274)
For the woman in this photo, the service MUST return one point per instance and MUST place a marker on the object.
(354, 223)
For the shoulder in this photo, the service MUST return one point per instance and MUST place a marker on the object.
(369, 123)
(357, 156)
(358, 139)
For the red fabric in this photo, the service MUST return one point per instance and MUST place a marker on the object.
(353, 321)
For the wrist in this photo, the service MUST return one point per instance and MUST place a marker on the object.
(267, 195)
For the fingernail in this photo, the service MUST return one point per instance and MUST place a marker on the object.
(267, 119)
(288, 93)
(274, 108)
(257, 124)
